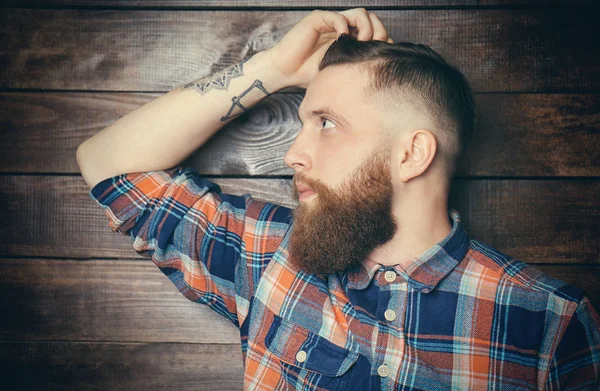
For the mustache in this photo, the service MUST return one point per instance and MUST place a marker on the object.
(315, 185)
(378, 163)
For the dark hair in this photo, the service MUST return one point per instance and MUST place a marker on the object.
(416, 73)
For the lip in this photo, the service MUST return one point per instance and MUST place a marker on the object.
(302, 187)
(306, 194)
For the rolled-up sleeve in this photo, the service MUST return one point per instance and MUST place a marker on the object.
(576, 361)
(212, 246)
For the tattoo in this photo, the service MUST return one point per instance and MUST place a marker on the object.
(219, 80)
(236, 99)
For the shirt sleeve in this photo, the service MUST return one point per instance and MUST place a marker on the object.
(576, 361)
(212, 246)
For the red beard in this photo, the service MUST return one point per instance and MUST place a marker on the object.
(337, 230)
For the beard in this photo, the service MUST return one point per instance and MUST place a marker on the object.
(338, 229)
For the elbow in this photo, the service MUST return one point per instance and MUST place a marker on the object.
(79, 156)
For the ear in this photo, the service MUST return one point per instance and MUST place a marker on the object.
(417, 154)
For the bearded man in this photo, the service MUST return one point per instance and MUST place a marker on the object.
(371, 282)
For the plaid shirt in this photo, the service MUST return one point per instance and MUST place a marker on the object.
(462, 316)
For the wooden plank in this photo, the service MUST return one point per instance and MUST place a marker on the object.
(538, 221)
(212, 4)
(102, 300)
(232, 4)
(535, 134)
(131, 300)
(129, 50)
(120, 366)
(533, 2)
(517, 134)
(62, 219)
(43, 130)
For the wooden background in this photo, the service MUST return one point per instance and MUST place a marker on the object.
(81, 310)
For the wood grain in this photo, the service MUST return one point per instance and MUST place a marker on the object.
(127, 50)
(131, 300)
(233, 4)
(81, 310)
(102, 300)
(538, 221)
(517, 135)
(212, 4)
(120, 366)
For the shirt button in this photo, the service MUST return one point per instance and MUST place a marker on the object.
(301, 356)
(383, 370)
(390, 276)
(390, 315)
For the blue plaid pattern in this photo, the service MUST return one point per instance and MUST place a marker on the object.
(462, 316)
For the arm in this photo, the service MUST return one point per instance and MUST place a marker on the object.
(575, 364)
(214, 247)
(162, 133)
(165, 131)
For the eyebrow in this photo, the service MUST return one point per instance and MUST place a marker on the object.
(328, 111)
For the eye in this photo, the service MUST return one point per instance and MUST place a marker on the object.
(324, 119)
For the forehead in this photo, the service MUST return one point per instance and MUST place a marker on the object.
(339, 88)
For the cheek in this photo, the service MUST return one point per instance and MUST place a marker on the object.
(339, 170)
(338, 159)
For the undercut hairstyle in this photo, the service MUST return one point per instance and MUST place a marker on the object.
(415, 74)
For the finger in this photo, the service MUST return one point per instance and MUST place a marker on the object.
(379, 31)
(358, 17)
(335, 21)
(390, 40)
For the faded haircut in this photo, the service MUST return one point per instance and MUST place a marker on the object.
(415, 74)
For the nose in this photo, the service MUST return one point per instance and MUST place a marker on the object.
(298, 156)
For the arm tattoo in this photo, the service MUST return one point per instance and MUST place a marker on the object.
(236, 99)
(220, 81)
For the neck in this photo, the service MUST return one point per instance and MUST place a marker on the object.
(421, 224)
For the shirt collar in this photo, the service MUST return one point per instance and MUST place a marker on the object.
(428, 269)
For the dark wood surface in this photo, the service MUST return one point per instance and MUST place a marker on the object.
(517, 134)
(344, 4)
(115, 300)
(110, 300)
(120, 366)
(81, 310)
(538, 221)
(157, 50)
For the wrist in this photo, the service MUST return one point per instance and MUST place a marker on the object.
(262, 66)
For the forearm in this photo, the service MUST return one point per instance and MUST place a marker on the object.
(162, 133)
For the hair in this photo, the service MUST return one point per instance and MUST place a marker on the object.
(415, 74)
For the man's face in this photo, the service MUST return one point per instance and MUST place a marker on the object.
(344, 163)
(338, 229)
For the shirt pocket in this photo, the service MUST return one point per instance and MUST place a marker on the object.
(307, 359)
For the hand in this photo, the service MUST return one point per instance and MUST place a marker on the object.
(297, 56)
